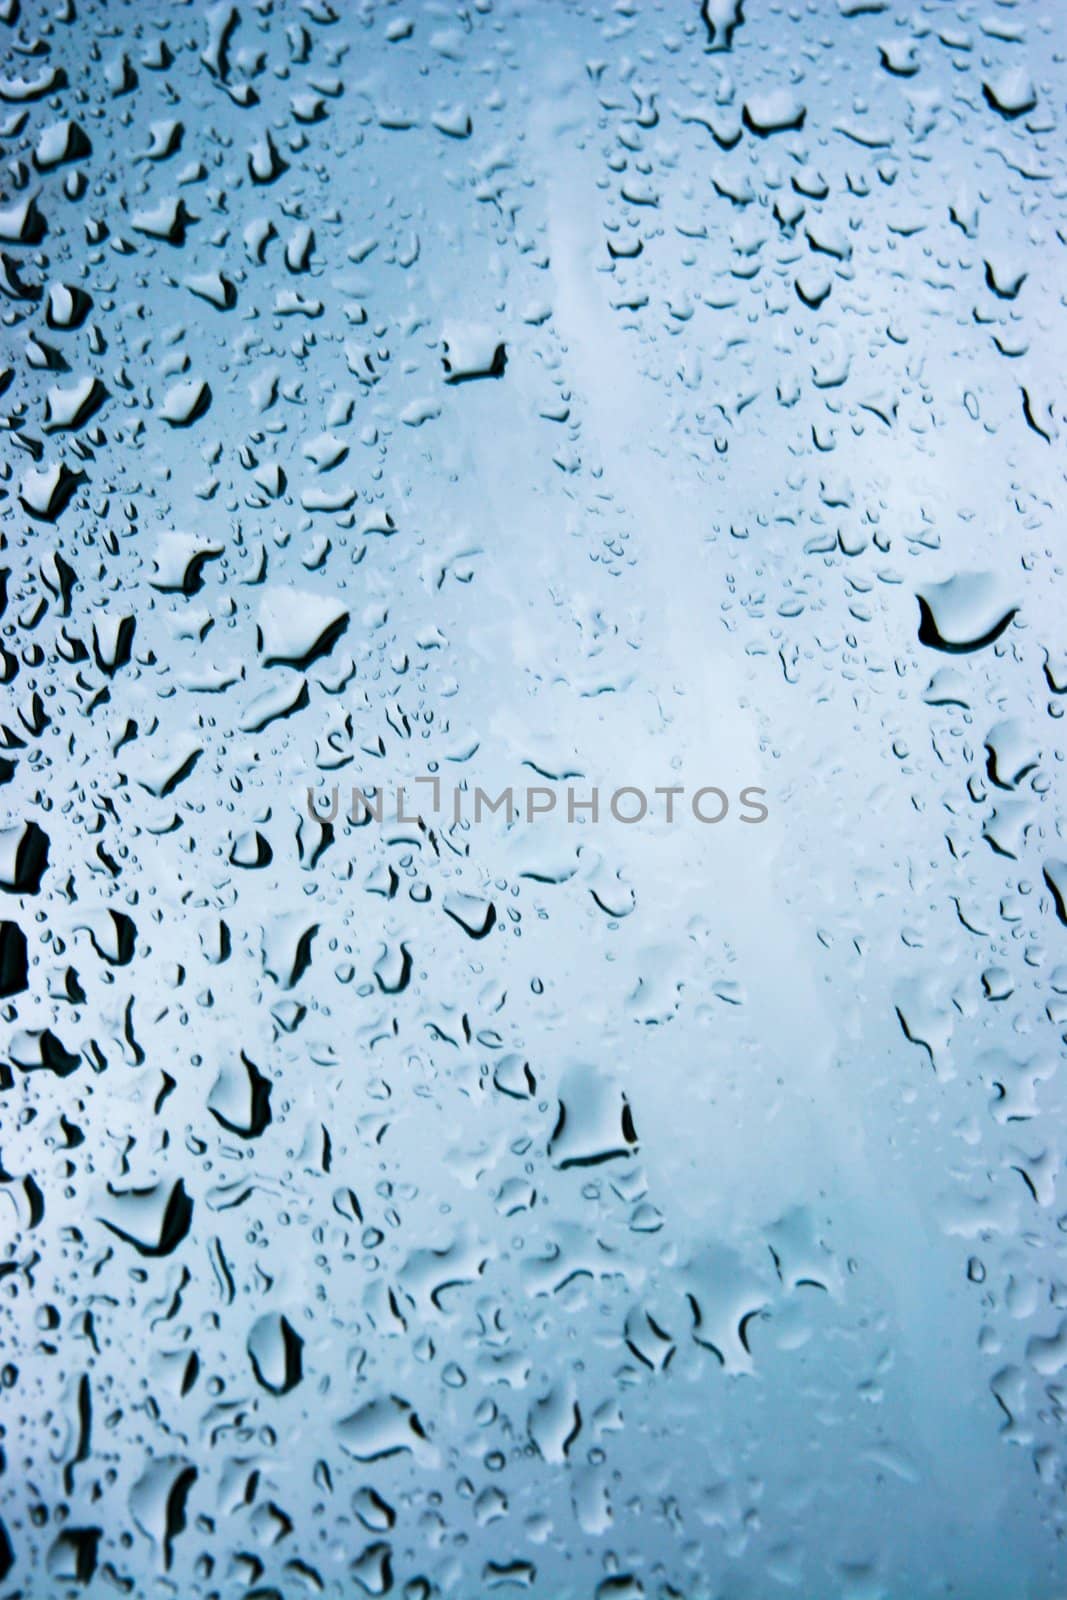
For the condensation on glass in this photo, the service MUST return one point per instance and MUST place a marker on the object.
(560, 397)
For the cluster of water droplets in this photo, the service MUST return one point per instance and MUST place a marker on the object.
(510, 392)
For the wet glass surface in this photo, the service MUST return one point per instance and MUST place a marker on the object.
(601, 406)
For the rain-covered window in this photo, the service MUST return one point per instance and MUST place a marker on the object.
(533, 928)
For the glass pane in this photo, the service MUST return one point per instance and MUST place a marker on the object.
(534, 879)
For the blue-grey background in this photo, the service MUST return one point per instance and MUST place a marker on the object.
(699, 1230)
